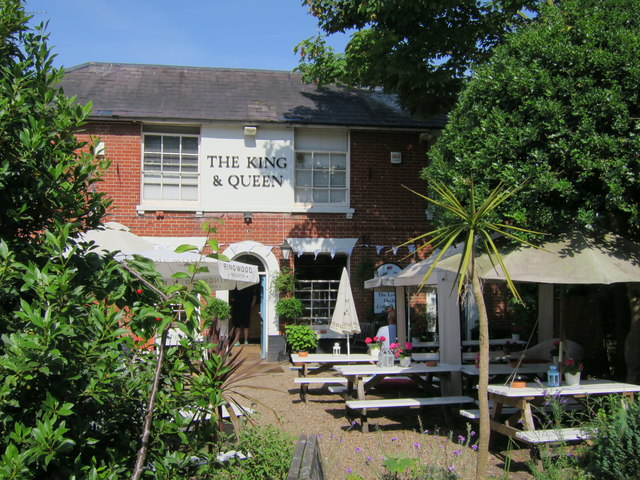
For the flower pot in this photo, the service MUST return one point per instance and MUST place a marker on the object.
(572, 378)
(374, 352)
(303, 354)
(405, 362)
(515, 336)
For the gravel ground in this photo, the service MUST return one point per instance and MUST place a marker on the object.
(438, 439)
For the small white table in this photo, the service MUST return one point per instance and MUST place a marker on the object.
(327, 361)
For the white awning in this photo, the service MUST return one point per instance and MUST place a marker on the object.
(322, 245)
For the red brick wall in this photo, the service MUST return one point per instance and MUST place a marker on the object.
(385, 213)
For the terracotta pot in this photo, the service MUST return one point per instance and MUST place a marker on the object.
(518, 384)
(432, 363)
(303, 354)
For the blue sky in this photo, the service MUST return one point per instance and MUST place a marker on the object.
(258, 34)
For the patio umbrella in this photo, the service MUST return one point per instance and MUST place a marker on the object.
(572, 259)
(345, 318)
(221, 275)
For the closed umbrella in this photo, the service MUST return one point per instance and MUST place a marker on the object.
(345, 318)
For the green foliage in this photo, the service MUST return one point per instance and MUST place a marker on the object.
(217, 309)
(557, 105)
(271, 452)
(284, 283)
(420, 50)
(43, 181)
(613, 454)
(289, 308)
(301, 337)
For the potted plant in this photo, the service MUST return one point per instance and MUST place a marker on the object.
(403, 354)
(374, 344)
(301, 338)
(571, 370)
(289, 309)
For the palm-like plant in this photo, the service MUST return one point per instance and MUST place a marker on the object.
(474, 224)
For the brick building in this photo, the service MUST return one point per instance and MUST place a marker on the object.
(286, 167)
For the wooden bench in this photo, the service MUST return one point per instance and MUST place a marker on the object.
(474, 413)
(306, 463)
(304, 383)
(363, 405)
(556, 435)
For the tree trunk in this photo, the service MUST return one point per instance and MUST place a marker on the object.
(632, 342)
(483, 380)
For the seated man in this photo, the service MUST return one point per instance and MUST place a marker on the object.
(388, 331)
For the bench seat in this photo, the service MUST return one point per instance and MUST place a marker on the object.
(309, 380)
(363, 405)
(553, 436)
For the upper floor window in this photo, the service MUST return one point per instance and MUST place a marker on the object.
(170, 163)
(321, 173)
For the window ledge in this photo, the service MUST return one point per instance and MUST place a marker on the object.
(142, 209)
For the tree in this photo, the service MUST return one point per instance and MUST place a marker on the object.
(556, 104)
(44, 181)
(419, 50)
(78, 395)
(474, 222)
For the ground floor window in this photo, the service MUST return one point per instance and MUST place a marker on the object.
(317, 281)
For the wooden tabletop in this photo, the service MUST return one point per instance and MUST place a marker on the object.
(330, 358)
(416, 368)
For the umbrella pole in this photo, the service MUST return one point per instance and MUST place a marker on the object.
(348, 347)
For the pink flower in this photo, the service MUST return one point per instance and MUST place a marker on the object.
(408, 346)
(376, 339)
(367, 340)
(382, 339)
(393, 346)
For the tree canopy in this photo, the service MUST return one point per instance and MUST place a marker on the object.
(419, 50)
(557, 105)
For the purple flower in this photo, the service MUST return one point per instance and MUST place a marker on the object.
(394, 439)
(354, 423)
(348, 470)
(369, 459)
(474, 448)
(416, 445)
(451, 468)
(457, 452)
(358, 449)
(472, 434)
(461, 438)
(426, 432)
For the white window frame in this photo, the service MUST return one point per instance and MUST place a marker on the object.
(319, 151)
(165, 175)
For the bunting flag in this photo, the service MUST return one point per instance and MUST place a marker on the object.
(265, 250)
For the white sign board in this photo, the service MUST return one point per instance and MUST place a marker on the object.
(238, 172)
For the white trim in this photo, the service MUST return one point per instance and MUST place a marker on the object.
(322, 245)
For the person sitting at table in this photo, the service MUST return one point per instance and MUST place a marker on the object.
(388, 331)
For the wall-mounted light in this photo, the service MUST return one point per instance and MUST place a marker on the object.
(395, 157)
(286, 250)
(248, 217)
(250, 131)
(99, 149)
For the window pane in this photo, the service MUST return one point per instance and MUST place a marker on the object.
(321, 196)
(339, 179)
(171, 144)
(303, 178)
(304, 160)
(303, 195)
(190, 192)
(339, 161)
(171, 163)
(152, 162)
(320, 179)
(152, 143)
(190, 145)
(321, 160)
(338, 196)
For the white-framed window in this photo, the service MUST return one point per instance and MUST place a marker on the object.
(170, 163)
(322, 167)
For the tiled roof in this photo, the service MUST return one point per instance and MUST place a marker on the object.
(170, 93)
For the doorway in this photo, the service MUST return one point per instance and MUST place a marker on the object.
(248, 305)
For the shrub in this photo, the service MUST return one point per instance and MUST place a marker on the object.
(217, 309)
(614, 452)
(271, 451)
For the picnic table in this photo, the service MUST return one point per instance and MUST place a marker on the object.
(324, 362)
(362, 378)
(521, 424)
